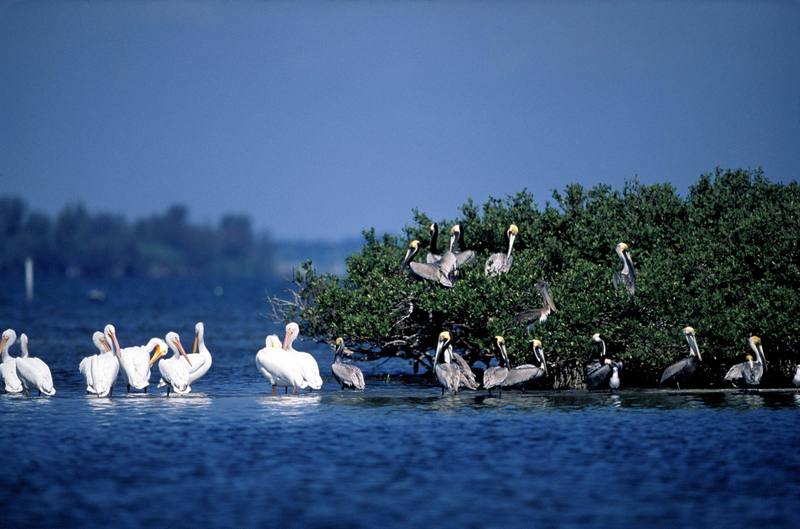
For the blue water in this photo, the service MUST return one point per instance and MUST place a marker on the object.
(398, 455)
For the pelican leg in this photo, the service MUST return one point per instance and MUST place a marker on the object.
(169, 388)
(286, 390)
(40, 392)
(442, 390)
(273, 390)
(294, 389)
(145, 389)
(129, 388)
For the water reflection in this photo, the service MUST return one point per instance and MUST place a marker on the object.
(290, 405)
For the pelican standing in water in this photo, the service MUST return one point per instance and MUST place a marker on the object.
(600, 369)
(105, 366)
(8, 369)
(279, 366)
(134, 362)
(33, 372)
(447, 373)
(308, 365)
(526, 373)
(494, 376)
(796, 379)
(682, 370)
(433, 251)
(85, 366)
(347, 375)
(626, 276)
(749, 371)
(201, 356)
(541, 314)
(175, 369)
(500, 263)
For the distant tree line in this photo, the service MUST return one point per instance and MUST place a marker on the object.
(81, 243)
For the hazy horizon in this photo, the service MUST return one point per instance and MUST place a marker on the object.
(319, 120)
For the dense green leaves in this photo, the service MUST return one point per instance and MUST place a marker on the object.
(723, 259)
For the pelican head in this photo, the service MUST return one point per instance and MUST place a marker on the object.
(596, 337)
(159, 348)
(512, 230)
(111, 337)
(538, 351)
(199, 329)
(292, 332)
(339, 345)
(749, 360)
(9, 337)
(174, 343)
(444, 339)
(502, 359)
(455, 234)
(273, 341)
(622, 247)
(411, 251)
(694, 350)
(755, 345)
(99, 340)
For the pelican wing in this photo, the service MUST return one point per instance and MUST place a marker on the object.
(527, 316)
(85, 367)
(35, 374)
(8, 373)
(431, 272)
(465, 257)
(105, 369)
(494, 264)
(135, 364)
(673, 370)
(494, 376)
(597, 373)
(522, 374)
(736, 372)
(175, 372)
(432, 258)
(467, 376)
(348, 375)
(279, 367)
(309, 369)
(449, 376)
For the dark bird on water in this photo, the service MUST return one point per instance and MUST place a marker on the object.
(750, 371)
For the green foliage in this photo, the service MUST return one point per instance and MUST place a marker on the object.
(723, 259)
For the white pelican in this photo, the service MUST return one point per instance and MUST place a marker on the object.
(33, 372)
(308, 366)
(174, 370)
(8, 369)
(85, 366)
(796, 379)
(500, 263)
(279, 366)
(135, 364)
(201, 361)
(105, 366)
(626, 276)
(347, 375)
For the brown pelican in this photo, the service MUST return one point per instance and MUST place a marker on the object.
(626, 276)
(548, 306)
(683, 370)
(494, 376)
(457, 236)
(749, 371)
(433, 253)
(599, 370)
(522, 374)
(500, 263)
(796, 379)
(443, 271)
(448, 375)
(452, 376)
(347, 375)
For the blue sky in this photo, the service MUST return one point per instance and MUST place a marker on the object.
(320, 119)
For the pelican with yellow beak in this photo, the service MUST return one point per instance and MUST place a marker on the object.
(750, 371)
(347, 375)
(525, 374)
(201, 356)
(105, 366)
(495, 375)
(175, 369)
(626, 276)
(682, 370)
(500, 263)
(452, 371)
(431, 272)
(134, 362)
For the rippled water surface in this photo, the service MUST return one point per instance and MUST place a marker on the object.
(398, 455)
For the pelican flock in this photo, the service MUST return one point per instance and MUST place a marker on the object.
(284, 366)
